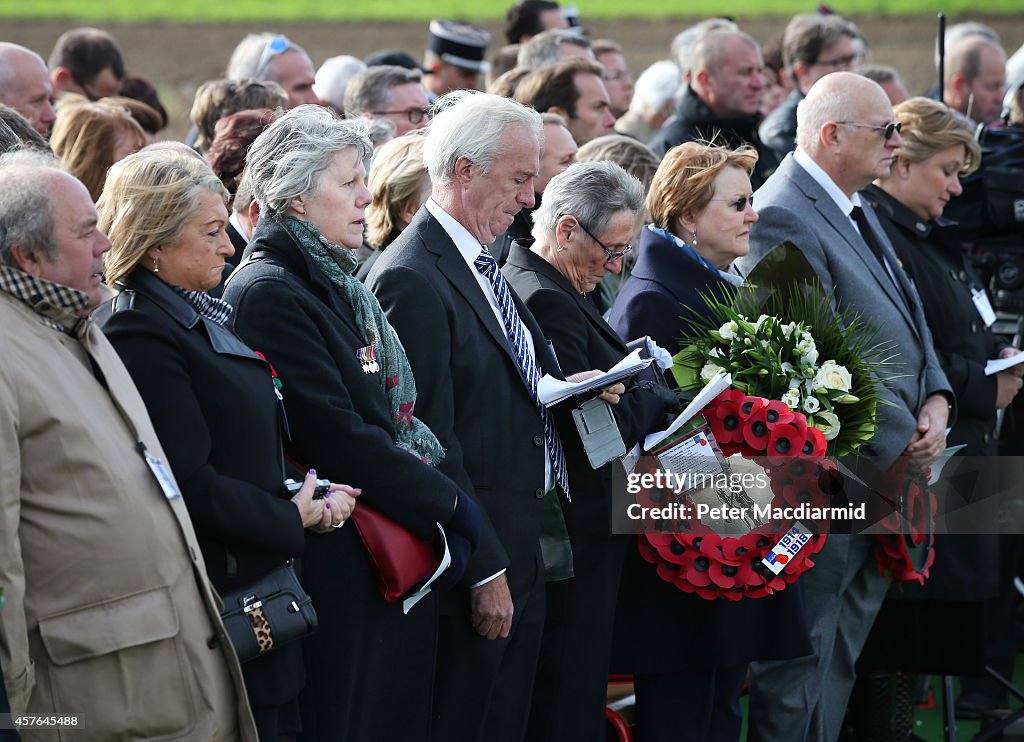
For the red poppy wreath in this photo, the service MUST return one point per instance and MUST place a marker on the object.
(694, 558)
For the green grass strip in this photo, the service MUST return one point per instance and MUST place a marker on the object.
(411, 10)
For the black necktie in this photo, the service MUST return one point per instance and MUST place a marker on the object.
(876, 248)
(868, 234)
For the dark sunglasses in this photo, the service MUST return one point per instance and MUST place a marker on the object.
(612, 254)
(739, 204)
(887, 129)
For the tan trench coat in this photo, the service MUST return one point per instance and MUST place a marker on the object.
(109, 614)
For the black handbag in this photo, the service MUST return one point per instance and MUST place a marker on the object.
(267, 614)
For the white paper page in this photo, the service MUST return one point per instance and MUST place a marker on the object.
(446, 561)
(715, 387)
(1001, 364)
(552, 391)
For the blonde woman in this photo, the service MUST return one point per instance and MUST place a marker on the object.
(90, 137)
(399, 185)
(212, 399)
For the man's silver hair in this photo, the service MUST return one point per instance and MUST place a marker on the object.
(545, 49)
(656, 86)
(285, 160)
(471, 125)
(593, 192)
(370, 90)
(26, 206)
(333, 77)
(687, 39)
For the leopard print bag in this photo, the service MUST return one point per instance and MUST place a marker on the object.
(268, 614)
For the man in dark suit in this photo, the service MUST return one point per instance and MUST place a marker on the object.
(482, 153)
(845, 139)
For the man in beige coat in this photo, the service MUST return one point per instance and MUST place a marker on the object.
(109, 616)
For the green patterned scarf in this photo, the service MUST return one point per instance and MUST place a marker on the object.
(396, 379)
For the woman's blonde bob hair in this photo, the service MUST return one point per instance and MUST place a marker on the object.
(397, 177)
(930, 127)
(148, 199)
(685, 181)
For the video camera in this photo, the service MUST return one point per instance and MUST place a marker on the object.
(990, 213)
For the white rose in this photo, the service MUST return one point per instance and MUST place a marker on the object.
(828, 424)
(833, 376)
(728, 330)
(709, 371)
(792, 399)
(811, 405)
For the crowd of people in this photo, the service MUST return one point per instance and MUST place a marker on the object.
(360, 273)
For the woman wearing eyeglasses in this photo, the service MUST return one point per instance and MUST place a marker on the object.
(582, 231)
(689, 656)
(701, 210)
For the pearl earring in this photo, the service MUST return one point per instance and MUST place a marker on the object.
(156, 266)
(694, 233)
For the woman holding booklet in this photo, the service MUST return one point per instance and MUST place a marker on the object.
(582, 230)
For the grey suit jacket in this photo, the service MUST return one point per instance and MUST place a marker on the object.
(792, 206)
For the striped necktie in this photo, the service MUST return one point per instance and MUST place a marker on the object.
(486, 264)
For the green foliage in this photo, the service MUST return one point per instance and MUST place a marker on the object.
(411, 10)
(762, 356)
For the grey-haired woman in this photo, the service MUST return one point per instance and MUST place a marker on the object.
(350, 398)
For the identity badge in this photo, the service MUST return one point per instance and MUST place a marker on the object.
(163, 476)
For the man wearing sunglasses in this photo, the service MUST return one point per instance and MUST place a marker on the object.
(846, 138)
(87, 62)
(392, 93)
(274, 57)
(813, 45)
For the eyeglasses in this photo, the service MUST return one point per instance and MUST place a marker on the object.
(739, 204)
(612, 254)
(838, 62)
(887, 130)
(415, 114)
(274, 46)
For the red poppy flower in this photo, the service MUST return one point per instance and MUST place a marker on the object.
(698, 573)
(670, 549)
(755, 430)
(815, 444)
(786, 439)
(749, 406)
(723, 417)
(778, 413)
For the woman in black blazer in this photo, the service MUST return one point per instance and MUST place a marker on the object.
(583, 230)
(211, 398)
(689, 656)
(962, 594)
(350, 398)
